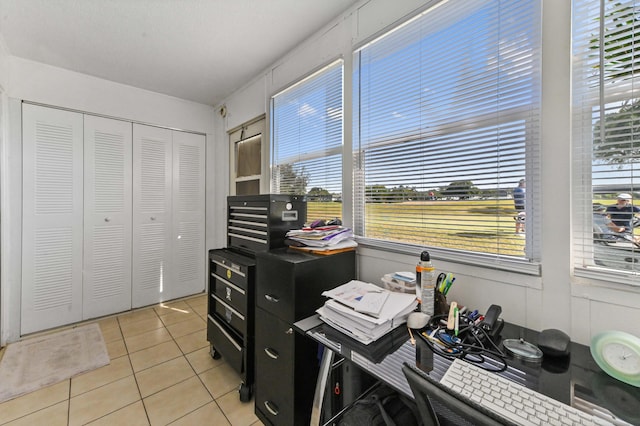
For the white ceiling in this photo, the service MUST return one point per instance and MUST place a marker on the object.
(200, 50)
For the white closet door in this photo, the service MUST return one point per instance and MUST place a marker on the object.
(52, 218)
(152, 236)
(188, 213)
(107, 216)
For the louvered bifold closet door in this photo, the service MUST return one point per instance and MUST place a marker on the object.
(188, 213)
(107, 216)
(152, 248)
(52, 218)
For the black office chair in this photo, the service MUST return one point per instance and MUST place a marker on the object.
(438, 406)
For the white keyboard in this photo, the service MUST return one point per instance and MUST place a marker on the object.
(511, 400)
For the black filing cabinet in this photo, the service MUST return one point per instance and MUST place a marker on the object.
(230, 317)
(289, 284)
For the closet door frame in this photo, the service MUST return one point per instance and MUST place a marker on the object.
(52, 217)
(188, 214)
(43, 304)
(107, 216)
(153, 262)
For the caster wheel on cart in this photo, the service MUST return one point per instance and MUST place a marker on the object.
(245, 393)
(215, 354)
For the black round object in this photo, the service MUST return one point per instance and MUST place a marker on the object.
(554, 343)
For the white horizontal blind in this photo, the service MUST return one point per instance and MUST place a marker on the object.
(606, 129)
(446, 123)
(306, 156)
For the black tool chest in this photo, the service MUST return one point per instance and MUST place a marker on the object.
(255, 223)
(258, 223)
(230, 325)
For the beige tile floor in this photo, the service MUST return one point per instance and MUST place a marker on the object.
(160, 373)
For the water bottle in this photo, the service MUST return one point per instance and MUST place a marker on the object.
(426, 280)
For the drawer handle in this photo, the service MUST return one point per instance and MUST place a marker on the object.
(272, 354)
(273, 410)
(271, 298)
(289, 331)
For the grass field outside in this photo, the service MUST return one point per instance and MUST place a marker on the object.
(485, 226)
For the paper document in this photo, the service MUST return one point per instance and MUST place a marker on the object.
(366, 311)
(372, 302)
(352, 292)
(320, 237)
(346, 244)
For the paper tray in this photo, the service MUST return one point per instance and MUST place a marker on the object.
(374, 351)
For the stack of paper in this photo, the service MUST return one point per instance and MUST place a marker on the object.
(365, 311)
(323, 238)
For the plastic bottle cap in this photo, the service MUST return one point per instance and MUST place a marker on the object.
(424, 256)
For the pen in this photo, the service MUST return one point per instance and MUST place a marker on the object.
(456, 314)
(448, 286)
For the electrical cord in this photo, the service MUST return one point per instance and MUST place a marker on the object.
(467, 345)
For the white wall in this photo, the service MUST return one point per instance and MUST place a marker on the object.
(25, 80)
(3, 138)
(4, 63)
(36, 82)
(556, 299)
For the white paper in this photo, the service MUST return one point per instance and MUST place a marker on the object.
(340, 311)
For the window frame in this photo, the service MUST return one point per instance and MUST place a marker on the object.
(323, 152)
(586, 101)
(530, 265)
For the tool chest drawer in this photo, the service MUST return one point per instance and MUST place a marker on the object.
(230, 293)
(230, 316)
(228, 343)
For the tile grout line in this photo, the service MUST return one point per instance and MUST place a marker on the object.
(119, 324)
(213, 399)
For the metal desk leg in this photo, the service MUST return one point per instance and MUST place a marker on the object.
(321, 385)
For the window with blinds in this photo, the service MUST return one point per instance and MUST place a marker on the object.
(606, 136)
(446, 125)
(307, 142)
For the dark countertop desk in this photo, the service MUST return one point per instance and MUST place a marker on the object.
(575, 380)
